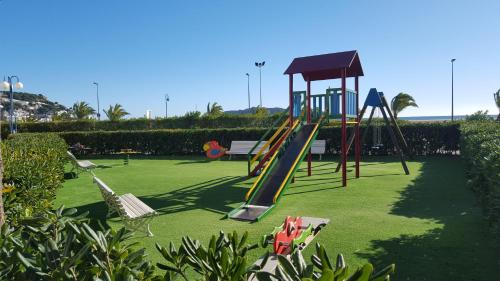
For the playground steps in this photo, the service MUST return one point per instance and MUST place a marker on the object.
(249, 212)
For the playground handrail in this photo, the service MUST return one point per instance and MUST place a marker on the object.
(271, 161)
(249, 155)
(308, 143)
(268, 143)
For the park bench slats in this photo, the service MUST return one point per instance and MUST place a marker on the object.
(318, 147)
(244, 147)
(80, 165)
(134, 213)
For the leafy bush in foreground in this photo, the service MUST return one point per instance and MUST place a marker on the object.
(33, 171)
(62, 246)
(481, 151)
(322, 269)
(224, 258)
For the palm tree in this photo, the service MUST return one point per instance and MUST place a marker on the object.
(497, 101)
(400, 102)
(82, 110)
(214, 110)
(115, 113)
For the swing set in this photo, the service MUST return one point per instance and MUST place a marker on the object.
(376, 100)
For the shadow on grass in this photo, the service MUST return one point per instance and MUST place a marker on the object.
(459, 250)
(214, 195)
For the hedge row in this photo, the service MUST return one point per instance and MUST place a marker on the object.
(33, 171)
(185, 122)
(423, 138)
(481, 151)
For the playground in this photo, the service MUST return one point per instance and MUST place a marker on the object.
(418, 220)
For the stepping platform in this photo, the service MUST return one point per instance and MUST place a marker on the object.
(249, 212)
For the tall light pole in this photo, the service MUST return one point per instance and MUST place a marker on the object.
(452, 61)
(248, 89)
(98, 108)
(7, 85)
(167, 99)
(260, 65)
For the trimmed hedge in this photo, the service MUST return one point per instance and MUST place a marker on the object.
(33, 171)
(481, 151)
(184, 122)
(422, 138)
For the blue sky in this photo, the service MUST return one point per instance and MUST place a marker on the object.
(199, 51)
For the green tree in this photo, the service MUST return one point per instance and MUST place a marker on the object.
(261, 111)
(400, 102)
(497, 101)
(61, 116)
(82, 110)
(193, 114)
(478, 116)
(215, 110)
(115, 113)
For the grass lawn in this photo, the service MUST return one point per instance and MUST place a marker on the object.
(427, 223)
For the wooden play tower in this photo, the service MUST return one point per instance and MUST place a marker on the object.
(338, 103)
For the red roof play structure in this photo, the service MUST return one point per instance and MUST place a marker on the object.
(340, 65)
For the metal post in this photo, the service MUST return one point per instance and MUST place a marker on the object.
(344, 130)
(452, 61)
(260, 65)
(11, 109)
(248, 89)
(260, 85)
(308, 113)
(167, 99)
(357, 145)
(290, 93)
(98, 107)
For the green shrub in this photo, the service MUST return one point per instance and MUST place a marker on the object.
(422, 138)
(321, 268)
(33, 171)
(225, 258)
(62, 246)
(481, 151)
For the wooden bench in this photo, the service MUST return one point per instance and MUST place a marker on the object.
(134, 213)
(243, 147)
(318, 147)
(80, 165)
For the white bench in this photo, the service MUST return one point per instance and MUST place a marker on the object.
(318, 147)
(243, 147)
(134, 213)
(80, 165)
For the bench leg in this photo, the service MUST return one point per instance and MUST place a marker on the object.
(148, 232)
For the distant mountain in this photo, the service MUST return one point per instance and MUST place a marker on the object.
(271, 110)
(31, 106)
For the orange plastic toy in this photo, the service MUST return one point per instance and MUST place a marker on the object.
(283, 239)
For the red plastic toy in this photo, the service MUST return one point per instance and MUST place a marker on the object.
(213, 150)
(283, 239)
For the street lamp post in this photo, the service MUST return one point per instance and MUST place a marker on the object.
(98, 108)
(7, 85)
(452, 61)
(260, 65)
(167, 99)
(248, 89)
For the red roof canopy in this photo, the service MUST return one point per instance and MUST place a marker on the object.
(327, 66)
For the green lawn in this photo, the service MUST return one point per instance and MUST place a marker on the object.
(427, 223)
